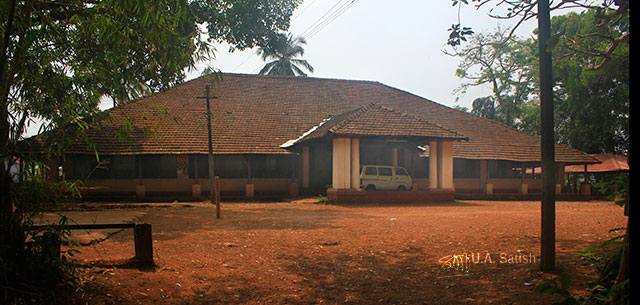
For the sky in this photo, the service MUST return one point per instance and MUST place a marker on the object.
(398, 43)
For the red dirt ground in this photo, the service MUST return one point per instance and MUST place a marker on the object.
(306, 253)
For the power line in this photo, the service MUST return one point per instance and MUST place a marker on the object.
(339, 8)
(303, 10)
(334, 15)
(249, 56)
(329, 16)
(321, 18)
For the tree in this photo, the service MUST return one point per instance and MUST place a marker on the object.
(58, 58)
(506, 65)
(284, 50)
(609, 12)
(484, 107)
(591, 106)
(594, 103)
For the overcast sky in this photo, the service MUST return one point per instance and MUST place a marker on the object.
(399, 43)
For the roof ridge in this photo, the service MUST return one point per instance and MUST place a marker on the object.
(424, 121)
(349, 116)
(307, 78)
(423, 99)
(357, 112)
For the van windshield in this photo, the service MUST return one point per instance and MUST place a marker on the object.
(401, 172)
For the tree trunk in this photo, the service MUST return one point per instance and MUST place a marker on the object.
(548, 210)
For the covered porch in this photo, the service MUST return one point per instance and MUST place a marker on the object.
(375, 135)
(346, 185)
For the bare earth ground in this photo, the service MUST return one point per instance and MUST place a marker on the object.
(306, 253)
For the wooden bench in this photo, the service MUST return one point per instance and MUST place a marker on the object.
(143, 242)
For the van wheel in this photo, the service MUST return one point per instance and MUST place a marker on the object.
(370, 187)
(402, 188)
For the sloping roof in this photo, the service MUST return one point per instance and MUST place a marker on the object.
(257, 114)
(376, 120)
(610, 163)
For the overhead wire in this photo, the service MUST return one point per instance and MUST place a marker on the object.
(303, 10)
(321, 19)
(249, 56)
(339, 8)
(319, 26)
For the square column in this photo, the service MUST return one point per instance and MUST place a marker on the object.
(341, 163)
(346, 163)
(249, 190)
(445, 165)
(433, 165)
(394, 156)
(484, 178)
(305, 167)
(355, 163)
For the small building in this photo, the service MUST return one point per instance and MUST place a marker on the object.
(282, 135)
(581, 177)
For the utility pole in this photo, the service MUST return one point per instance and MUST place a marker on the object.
(212, 185)
(548, 205)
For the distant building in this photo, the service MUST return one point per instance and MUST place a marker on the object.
(583, 176)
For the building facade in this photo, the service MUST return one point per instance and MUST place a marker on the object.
(278, 135)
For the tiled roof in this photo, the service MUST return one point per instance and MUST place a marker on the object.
(374, 120)
(610, 163)
(257, 114)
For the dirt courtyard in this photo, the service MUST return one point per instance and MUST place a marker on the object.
(302, 252)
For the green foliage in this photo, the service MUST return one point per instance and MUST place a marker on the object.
(600, 255)
(323, 199)
(615, 188)
(561, 289)
(484, 107)
(593, 104)
(41, 265)
(505, 64)
(284, 49)
(44, 247)
(592, 95)
(591, 91)
(605, 257)
(58, 59)
(244, 23)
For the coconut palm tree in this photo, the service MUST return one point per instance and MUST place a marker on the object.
(283, 51)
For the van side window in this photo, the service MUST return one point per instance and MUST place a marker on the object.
(401, 172)
(371, 171)
(385, 171)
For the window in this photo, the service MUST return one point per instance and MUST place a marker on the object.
(230, 166)
(159, 166)
(466, 168)
(202, 164)
(109, 167)
(271, 166)
(385, 171)
(123, 167)
(504, 169)
(373, 171)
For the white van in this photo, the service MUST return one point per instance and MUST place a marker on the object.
(382, 177)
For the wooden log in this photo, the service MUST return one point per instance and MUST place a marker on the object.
(143, 243)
